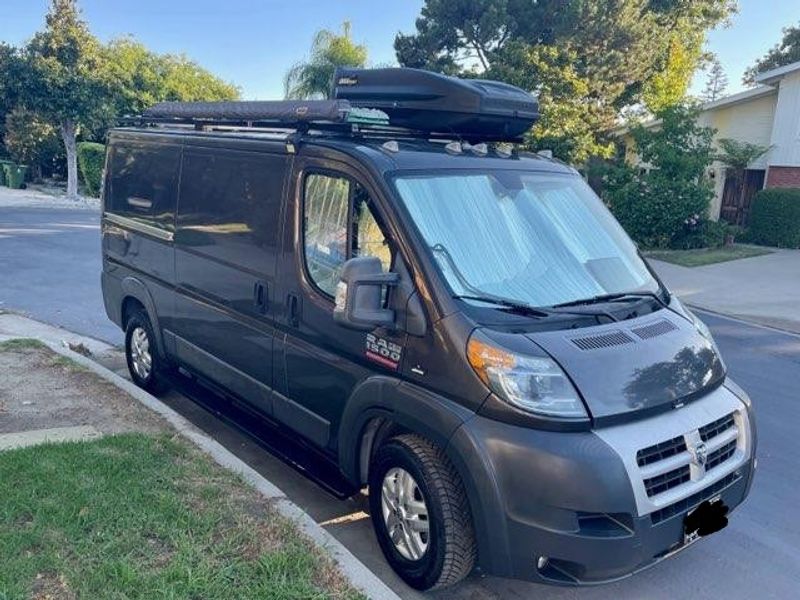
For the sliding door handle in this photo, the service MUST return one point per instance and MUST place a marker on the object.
(294, 309)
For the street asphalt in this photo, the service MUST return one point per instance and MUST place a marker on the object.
(49, 269)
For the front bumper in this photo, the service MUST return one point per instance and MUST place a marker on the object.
(573, 509)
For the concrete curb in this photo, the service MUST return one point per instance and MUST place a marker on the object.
(355, 571)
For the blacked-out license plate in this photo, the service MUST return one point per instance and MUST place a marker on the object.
(708, 517)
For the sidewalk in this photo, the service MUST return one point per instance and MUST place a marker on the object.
(763, 289)
(43, 197)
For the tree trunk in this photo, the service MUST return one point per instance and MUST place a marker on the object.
(68, 134)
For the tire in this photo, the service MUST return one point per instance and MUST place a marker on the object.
(139, 345)
(450, 552)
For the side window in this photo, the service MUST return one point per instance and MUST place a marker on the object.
(331, 204)
(144, 182)
(229, 206)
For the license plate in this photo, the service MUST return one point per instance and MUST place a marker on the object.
(708, 517)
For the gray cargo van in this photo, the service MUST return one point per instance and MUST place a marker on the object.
(459, 326)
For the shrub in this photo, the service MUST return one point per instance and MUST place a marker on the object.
(656, 206)
(775, 218)
(91, 158)
(654, 210)
(699, 232)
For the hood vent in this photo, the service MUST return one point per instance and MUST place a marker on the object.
(654, 329)
(604, 340)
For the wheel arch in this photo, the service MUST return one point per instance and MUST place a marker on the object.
(134, 292)
(382, 407)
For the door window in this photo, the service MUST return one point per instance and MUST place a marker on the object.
(331, 205)
(144, 182)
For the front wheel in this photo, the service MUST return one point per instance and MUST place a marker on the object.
(420, 513)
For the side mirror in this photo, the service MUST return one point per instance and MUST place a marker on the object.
(359, 294)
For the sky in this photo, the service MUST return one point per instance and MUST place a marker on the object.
(252, 43)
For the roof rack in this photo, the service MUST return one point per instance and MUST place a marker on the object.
(397, 103)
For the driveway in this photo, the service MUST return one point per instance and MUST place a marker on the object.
(764, 289)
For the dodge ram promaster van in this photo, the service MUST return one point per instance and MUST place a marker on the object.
(458, 326)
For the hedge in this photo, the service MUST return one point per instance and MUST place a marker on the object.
(775, 218)
(91, 158)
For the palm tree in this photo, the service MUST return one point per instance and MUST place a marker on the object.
(313, 79)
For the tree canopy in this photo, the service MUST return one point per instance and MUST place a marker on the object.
(65, 80)
(142, 78)
(587, 59)
(313, 78)
(785, 52)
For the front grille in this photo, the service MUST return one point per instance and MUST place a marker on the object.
(666, 481)
(653, 454)
(717, 427)
(720, 455)
(683, 506)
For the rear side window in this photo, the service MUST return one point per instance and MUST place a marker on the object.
(143, 183)
(229, 206)
(339, 224)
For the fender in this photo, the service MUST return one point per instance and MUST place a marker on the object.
(134, 288)
(441, 421)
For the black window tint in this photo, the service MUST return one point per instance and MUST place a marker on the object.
(144, 183)
(230, 206)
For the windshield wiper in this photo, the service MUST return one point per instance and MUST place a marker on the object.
(516, 306)
(618, 297)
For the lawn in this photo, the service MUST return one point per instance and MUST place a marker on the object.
(146, 516)
(707, 256)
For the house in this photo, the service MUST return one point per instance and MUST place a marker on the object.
(767, 115)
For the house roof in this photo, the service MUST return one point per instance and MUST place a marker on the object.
(732, 100)
(775, 75)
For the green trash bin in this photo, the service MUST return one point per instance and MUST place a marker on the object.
(3, 163)
(15, 175)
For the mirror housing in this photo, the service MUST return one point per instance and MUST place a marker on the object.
(358, 303)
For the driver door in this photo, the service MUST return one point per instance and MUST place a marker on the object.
(334, 218)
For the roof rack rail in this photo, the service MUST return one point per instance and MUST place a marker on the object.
(402, 103)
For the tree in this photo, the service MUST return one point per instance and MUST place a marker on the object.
(314, 78)
(32, 141)
(141, 78)
(10, 70)
(784, 53)
(63, 79)
(716, 82)
(587, 59)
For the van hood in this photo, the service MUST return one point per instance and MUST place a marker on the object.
(635, 365)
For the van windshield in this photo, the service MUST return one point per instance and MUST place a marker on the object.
(540, 239)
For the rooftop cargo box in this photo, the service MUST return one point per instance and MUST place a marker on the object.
(427, 101)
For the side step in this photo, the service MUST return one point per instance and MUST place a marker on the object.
(277, 439)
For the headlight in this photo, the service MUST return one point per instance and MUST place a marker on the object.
(532, 383)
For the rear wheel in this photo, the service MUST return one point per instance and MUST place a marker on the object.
(144, 364)
(420, 513)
